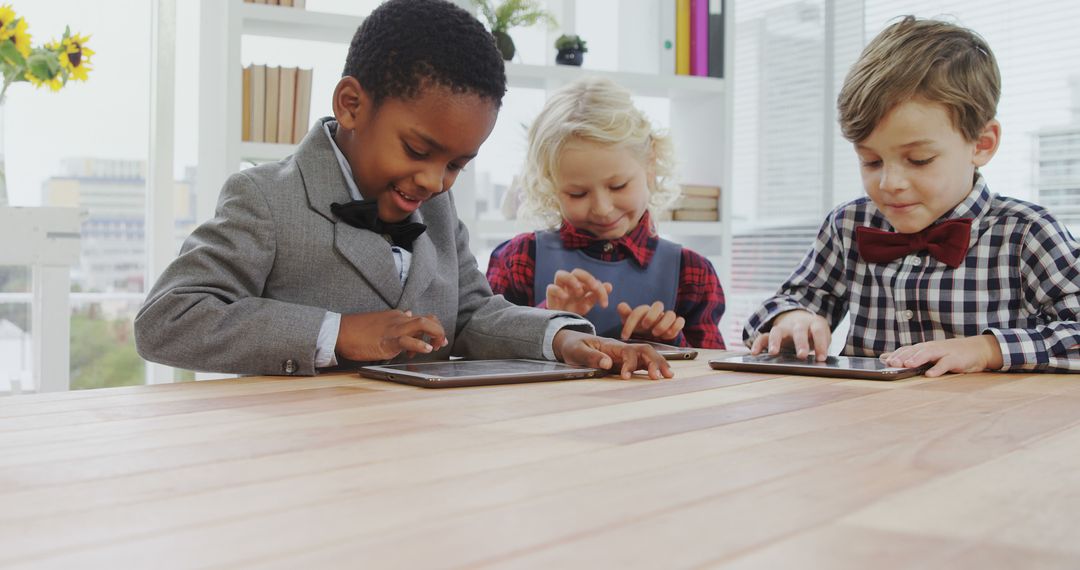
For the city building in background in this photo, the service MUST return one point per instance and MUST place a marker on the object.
(112, 195)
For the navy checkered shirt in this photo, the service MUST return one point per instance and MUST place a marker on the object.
(1020, 282)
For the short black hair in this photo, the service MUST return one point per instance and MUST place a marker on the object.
(404, 44)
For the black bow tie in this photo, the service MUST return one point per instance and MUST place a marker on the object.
(364, 214)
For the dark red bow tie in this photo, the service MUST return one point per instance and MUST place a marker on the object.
(947, 242)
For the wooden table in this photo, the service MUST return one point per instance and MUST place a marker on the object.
(713, 469)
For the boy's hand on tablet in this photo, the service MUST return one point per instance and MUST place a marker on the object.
(573, 347)
(577, 292)
(384, 335)
(649, 320)
(800, 330)
(959, 355)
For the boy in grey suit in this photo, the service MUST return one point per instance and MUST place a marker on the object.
(351, 251)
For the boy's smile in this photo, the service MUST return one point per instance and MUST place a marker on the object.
(405, 151)
(916, 165)
(602, 189)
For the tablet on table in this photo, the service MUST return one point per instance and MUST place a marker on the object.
(836, 366)
(669, 352)
(455, 373)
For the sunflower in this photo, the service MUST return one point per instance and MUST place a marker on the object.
(7, 16)
(21, 38)
(13, 29)
(74, 55)
(54, 83)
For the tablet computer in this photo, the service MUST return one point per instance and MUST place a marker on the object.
(455, 373)
(834, 366)
(669, 352)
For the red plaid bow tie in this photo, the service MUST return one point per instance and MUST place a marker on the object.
(947, 242)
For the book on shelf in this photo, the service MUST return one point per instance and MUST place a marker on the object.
(276, 104)
(696, 203)
(245, 105)
(273, 86)
(682, 37)
(695, 215)
(716, 38)
(701, 190)
(699, 37)
(286, 100)
(258, 103)
(302, 108)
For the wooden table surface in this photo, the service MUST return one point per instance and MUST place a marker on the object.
(712, 469)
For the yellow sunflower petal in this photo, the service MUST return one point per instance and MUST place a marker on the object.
(7, 16)
(22, 38)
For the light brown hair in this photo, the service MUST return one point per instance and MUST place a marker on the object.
(930, 60)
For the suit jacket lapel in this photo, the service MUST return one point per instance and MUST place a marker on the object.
(370, 254)
(421, 271)
(324, 184)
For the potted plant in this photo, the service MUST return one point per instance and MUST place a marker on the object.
(509, 14)
(571, 48)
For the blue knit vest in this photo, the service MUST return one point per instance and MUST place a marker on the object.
(630, 282)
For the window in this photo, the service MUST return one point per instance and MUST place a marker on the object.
(84, 146)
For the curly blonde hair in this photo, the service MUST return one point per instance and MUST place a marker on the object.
(596, 110)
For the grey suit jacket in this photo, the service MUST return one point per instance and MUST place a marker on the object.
(251, 286)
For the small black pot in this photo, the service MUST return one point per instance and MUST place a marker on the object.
(505, 43)
(569, 56)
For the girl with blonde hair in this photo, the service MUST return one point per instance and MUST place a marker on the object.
(596, 174)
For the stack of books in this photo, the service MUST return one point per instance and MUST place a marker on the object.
(692, 37)
(698, 203)
(290, 3)
(277, 104)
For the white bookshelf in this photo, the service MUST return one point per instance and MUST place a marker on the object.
(700, 113)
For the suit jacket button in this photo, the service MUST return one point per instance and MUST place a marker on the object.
(289, 366)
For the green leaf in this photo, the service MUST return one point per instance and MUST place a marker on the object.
(11, 54)
(38, 64)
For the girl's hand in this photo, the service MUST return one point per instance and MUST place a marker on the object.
(384, 335)
(577, 292)
(649, 320)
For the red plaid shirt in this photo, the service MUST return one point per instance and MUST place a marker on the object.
(699, 299)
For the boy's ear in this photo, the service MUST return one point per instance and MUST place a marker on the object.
(987, 143)
(351, 102)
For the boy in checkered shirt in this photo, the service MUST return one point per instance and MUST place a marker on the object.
(932, 266)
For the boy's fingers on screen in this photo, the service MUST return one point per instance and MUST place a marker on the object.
(822, 337)
(760, 343)
(801, 338)
(629, 363)
(623, 309)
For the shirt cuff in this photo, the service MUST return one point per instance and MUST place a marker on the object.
(558, 323)
(1021, 349)
(324, 347)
